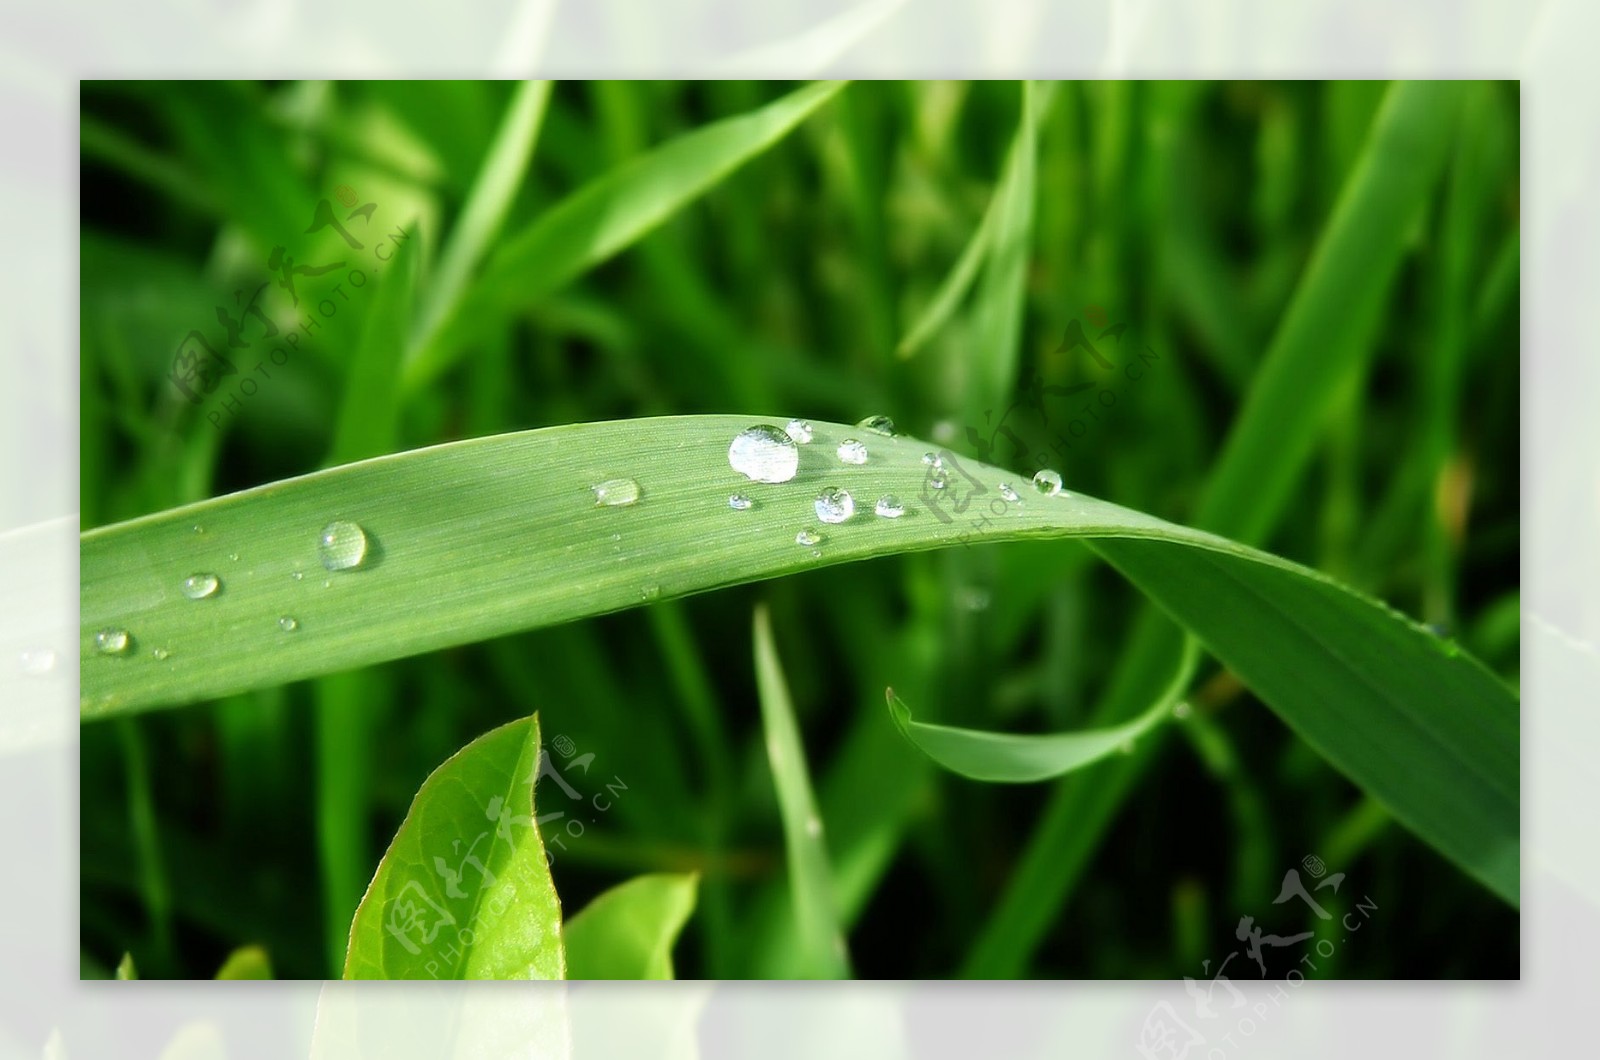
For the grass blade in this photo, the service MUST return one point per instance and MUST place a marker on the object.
(601, 218)
(628, 932)
(822, 947)
(1007, 759)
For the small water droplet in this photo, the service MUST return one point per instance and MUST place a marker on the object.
(111, 641)
(889, 506)
(327, 582)
(287, 624)
(852, 451)
(938, 477)
(1182, 709)
(650, 592)
(799, 430)
(297, 575)
(878, 425)
(161, 654)
(808, 537)
(763, 453)
(199, 529)
(740, 503)
(1009, 493)
(36, 662)
(615, 493)
(343, 545)
(834, 505)
(933, 459)
(234, 556)
(816, 553)
(200, 586)
(1047, 482)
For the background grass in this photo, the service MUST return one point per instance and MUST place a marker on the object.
(786, 284)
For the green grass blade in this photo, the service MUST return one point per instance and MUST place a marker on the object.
(479, 538)
(464, 891)
(628, 932)
(605, 216)
(369, 412)
(486, 205)
(821, 941)
(1008, 759)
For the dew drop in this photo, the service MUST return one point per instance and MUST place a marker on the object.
(938, 477)
(852, 451)
(161, 654)
(889, 506)
(764, 454)
(111, 641)
(287, 624)
(36, 662)
(933, 460)
(1009, 493)
(878, 425)
(816, 553)
(650, 592)
(799, 430)
(808, 537)
(616, 493)
(199, 529)
(297, 575)
(234, 556)
(343, 545)
(1047, 482)
(740, 503)
(835, 505)
(200, 586)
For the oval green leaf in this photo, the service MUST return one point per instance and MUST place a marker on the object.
(628, 932)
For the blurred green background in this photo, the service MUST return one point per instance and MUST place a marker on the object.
(1185, 211)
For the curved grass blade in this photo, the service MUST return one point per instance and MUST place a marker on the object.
(1003, 758)
(603, 217)
(479, 538)
(464, 891)
(628, 932)
(822, 947)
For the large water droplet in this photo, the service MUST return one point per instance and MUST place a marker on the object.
(835, 505)
(799, 430)
(36, 662)
(740, 503)
(287, 624)
(615, 493)
(1009, 493)
(200, 586)
(343, 545)
(111, 641)
(764, 454)
(808, 537)
(852, 451)
(889, 506)
(878, 425)
(1047, 482)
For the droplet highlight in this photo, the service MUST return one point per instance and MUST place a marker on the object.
(808, 537)
(889, 507)
(878, 425)
(342, 546)
(287, 624)
(111, 641)
(834, 505)
(1009, 492)
(616, 493)
(740, 503)
(851, 451)
(799, 430)
(763, 453)
(1047, 481)
(200, 586)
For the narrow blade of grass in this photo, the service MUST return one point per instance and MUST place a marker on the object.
(606, 215)
(822, 947)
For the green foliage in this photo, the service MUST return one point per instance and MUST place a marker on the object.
(1315, 286)
(628, 931)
